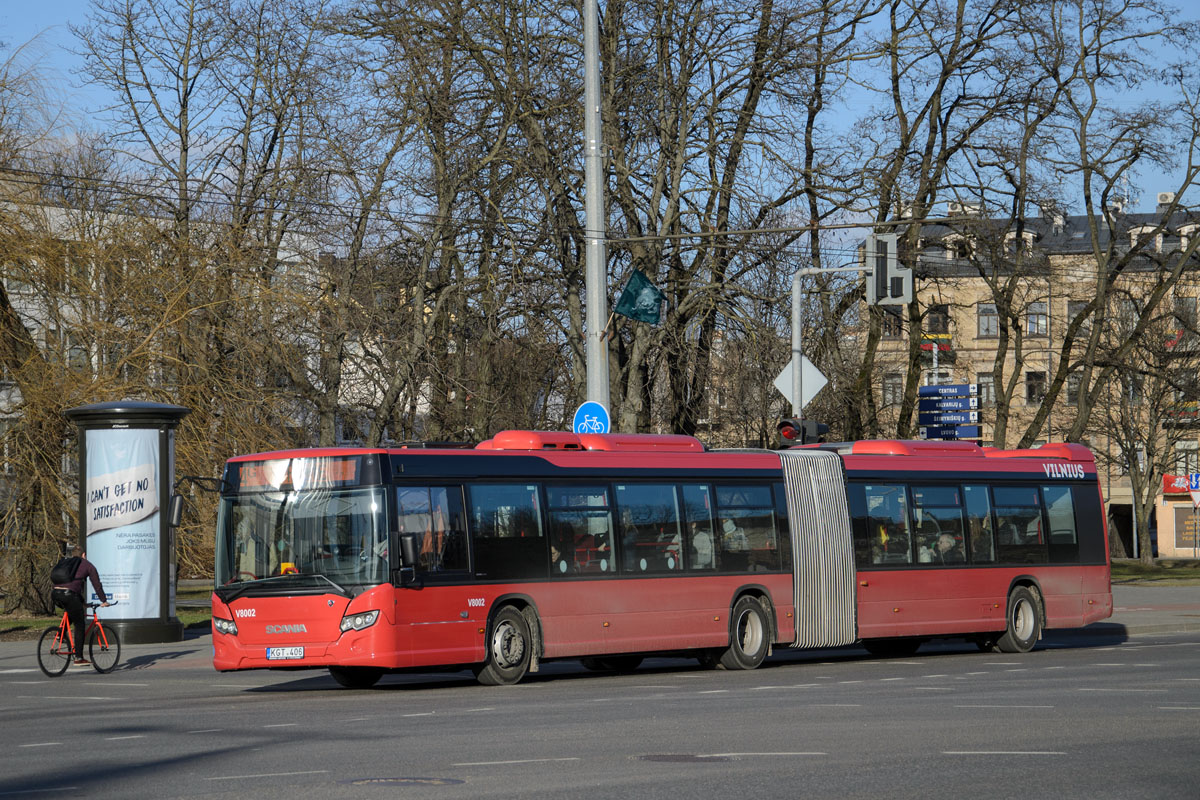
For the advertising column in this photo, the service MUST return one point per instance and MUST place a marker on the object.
(127, 469)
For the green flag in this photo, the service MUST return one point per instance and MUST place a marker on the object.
(640, 300)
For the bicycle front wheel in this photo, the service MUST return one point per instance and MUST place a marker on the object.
(54, 652)
(104, 648)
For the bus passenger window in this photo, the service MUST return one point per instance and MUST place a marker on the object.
(1020, 538)
(1060, 511)
(746, 537)
(651, 541)
(887, 523)
(586, 510)
(940, 538)
(979, 525)
(506, 522)
(700, 548)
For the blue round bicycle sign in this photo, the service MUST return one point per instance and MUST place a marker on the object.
(591, 417)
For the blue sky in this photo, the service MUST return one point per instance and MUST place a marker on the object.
(23, 21)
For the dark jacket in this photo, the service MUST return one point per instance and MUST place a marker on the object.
(85, 571)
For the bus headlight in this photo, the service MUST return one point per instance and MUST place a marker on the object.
(359, 621)
(224, 625)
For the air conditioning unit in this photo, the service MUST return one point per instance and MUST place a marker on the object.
(1166, 198)
(955, 207)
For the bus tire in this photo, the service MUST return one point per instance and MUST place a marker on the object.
(356, 677)
(1024, 625)
(510, 647)
(749, 636)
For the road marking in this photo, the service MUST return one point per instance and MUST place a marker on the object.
(714, 691)
(61, 697)
(933, 688)
(743, 755)
(1003, 707)
(521, 761)
(40, 791)
(15, 671)
(476, 710)
(266, 775)
(1001, 663)
(1161, 691)
(849, 681)
(1179, 708)
(207, 730)
(119, 738)
(936, 676)
(106, 683)
(891, 679)
(419, 714)
(977, 673)
(1018, 669)
(282, 725)
(1003, 753)
(42, 744)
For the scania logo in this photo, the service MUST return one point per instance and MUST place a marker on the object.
(287, 628)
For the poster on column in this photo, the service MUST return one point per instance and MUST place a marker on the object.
(122, 520)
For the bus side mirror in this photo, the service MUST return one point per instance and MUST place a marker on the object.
(408, 558)
(175, 511)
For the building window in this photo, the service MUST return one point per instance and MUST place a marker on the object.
(937, 319)
(1074, 309)
(1037, 320)
(989, 321)
(987, 388)
(893, 323)
(893, 389)
(1073, 389)
(1035, 387)
(1187, 458)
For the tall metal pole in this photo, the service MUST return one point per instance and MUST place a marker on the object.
(797, 351)
(596, 280)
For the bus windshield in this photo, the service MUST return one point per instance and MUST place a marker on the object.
(332, 534)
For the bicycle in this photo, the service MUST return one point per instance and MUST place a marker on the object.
(56, 647)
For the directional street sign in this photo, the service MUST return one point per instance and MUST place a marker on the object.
(949, 411)
(1194, 487)
(948, 418)
(949, 390)
(951, 432)
(947, 403)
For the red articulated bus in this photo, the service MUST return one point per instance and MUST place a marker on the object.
(609, 548)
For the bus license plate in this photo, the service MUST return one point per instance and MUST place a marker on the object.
(284, 653)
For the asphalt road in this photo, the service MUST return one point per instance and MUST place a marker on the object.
(1084, 715)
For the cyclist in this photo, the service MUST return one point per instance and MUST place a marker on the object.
(69, 597)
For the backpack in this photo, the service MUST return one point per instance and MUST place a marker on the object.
(64, 571)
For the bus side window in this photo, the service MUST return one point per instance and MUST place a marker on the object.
(1020, 537)
(979, 525)
(700, 548)
(1060, 511)
(887, 523)
(587, 510)
(856, 499)
(651, 541)
(506, 524)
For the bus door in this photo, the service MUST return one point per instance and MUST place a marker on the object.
(439, 615)
(823, 572)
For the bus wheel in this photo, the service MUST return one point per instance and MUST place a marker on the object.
(509, 649)
(356, 677)
(891, 648)
(612, 663)
(1024, 622)
(749, 635)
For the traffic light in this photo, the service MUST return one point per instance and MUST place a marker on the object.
(888, 283)
(802, 431)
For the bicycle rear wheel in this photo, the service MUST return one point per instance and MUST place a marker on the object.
(54, 653)
(104, 648)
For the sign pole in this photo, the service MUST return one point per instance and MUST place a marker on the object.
(797, 351)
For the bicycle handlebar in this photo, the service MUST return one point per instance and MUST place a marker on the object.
(101, 605)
